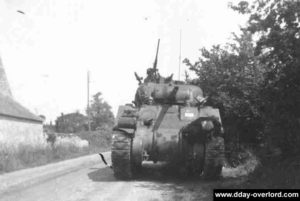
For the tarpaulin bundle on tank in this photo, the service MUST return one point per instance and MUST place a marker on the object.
(196, 131)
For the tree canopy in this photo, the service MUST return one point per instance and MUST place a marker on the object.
(258, 81)
(230, 75)
(100, 112)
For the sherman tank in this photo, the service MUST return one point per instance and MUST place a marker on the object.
(168, 121)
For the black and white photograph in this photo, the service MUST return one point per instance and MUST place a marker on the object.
(149, 100)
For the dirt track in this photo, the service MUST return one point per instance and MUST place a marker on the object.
(85, 181)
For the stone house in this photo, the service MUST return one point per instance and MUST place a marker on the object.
(17, 124)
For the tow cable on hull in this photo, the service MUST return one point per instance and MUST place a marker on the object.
(104, 161)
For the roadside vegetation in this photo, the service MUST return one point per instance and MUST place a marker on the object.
(64, 146)
(68, 138)
(254, 80)
(24, 156)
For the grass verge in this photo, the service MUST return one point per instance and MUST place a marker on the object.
(26, 156)
(276, 173)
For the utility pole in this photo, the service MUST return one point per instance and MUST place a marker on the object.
(179, 65)
(88, 101)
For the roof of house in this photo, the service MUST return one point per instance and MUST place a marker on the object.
(73, 114)
(4, 85)
(9, 107)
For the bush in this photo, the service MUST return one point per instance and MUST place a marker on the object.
(99, 140)
(276, 173)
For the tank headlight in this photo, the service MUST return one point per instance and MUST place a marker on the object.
(207, 125)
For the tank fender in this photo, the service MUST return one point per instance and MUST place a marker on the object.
(126, 119)
(128, 131)
(126, 122)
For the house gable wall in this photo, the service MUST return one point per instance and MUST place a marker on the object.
(14, 132)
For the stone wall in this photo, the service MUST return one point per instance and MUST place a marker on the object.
(14, 132)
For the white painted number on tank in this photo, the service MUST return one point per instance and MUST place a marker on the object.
(189, 114)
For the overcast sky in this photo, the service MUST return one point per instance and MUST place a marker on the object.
(47, 51)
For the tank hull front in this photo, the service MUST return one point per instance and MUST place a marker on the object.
(162, 140)
(191, 136)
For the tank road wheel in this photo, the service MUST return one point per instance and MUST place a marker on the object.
(121, 155)
(214, 158)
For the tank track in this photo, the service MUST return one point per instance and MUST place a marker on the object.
(121, 155)
(214, 158)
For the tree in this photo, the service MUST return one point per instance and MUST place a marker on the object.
(276, 24)
(100, 112)
(71, 123)
(231, 77)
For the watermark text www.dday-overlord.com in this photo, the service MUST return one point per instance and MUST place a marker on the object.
(258, 194)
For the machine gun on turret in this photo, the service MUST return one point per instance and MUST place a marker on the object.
(152, 73)
(155, 61)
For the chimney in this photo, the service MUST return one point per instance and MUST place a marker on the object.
(4, 86)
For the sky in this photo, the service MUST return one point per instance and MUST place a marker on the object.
(48, 50)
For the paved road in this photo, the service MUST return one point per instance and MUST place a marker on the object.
(95, 182)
